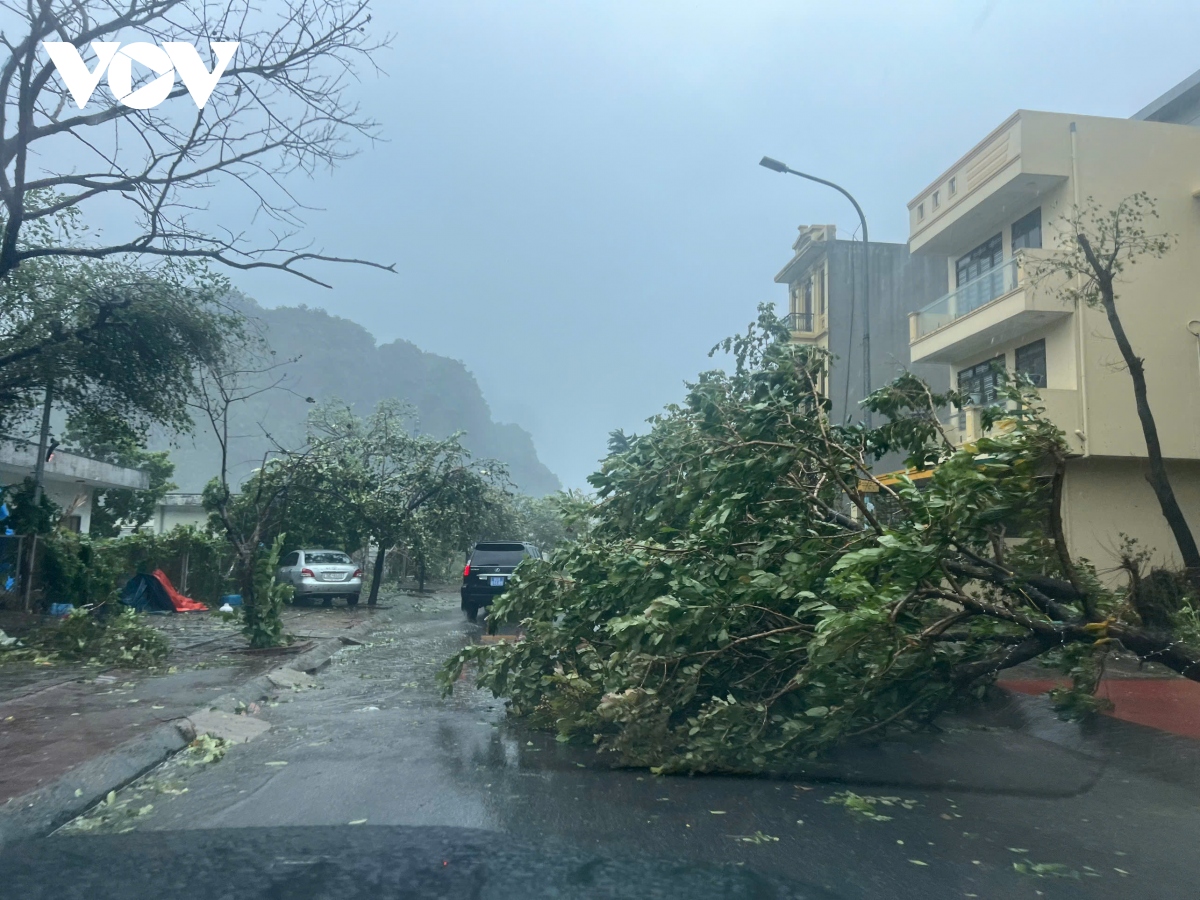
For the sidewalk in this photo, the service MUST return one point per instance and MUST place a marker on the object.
(55, 718)
(1148, 694)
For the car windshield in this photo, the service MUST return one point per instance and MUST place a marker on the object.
(326, 557)
(765, 436)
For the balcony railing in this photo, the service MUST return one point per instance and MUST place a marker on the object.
(805, 322)
(969, 297)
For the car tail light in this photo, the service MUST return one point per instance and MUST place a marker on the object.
(307, 573)
(357, 573)
(467, 571)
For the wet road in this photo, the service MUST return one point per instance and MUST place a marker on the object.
(374, 744)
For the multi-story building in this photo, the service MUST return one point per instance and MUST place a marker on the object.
(987, 220)
(825, 308)
(1179, 106)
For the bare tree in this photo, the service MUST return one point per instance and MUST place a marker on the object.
(1103, 243)
(282, 107)
(241, 375)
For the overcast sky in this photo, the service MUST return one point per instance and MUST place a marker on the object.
(570, 190)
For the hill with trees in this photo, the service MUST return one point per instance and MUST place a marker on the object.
(325, 357)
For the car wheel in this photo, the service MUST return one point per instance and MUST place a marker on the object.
(472, 613)
(352, 600)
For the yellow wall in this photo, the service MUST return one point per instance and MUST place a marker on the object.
(1104, 497)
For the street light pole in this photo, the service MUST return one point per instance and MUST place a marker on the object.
(776, 166)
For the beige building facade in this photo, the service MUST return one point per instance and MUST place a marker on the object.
(991, 217)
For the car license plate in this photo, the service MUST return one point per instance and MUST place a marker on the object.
(332, 576)
(496, 581)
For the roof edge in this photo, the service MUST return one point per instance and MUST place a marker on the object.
(1183, 92)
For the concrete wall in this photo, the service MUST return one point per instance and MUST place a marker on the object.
(74, 499)
(900, 283)
(167, 518)
(1105, 497)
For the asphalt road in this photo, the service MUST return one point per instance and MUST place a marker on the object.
(400, 780)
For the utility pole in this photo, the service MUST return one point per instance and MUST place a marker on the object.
(39, 471)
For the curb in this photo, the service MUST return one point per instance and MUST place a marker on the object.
(45, 809)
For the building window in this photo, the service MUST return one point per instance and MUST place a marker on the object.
(1031, 362)
(953, 187)
(979, 261)
(1027, 231)
(981, 382)
(73, 523)
(937, 199)
(920, 211)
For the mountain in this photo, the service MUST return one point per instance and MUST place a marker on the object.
(339, 359)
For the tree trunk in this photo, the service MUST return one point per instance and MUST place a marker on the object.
(421, 574)
(376, 576)
(1157, 476)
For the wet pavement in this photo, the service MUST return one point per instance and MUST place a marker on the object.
(54, 717)
(1010, 804)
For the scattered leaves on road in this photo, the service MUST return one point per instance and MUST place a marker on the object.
(1050, 870)
(757, 838)
(206, 749)
(863, 806)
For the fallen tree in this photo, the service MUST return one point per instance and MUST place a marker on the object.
(750, 592)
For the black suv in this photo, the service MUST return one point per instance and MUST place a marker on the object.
(488, 569)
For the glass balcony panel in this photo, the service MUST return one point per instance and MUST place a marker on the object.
(969, 297)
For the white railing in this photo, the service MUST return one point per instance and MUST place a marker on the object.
(967, 298)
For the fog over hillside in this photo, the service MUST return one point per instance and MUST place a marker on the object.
(340, 360)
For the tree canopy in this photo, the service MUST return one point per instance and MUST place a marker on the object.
(750, 591)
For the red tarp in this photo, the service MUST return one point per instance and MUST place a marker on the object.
(180, 602)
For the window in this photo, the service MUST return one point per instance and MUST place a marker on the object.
(1031, 362)
(982, 259)
(937, 199)
(326, 558)
(292, 559)
(1027, 231)
(952, 187)
(982, 381)
(979, 277)
(73, 523)
(920, 211)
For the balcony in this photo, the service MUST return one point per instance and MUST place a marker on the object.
(806, 324)
(997, 307)
(1061, 407)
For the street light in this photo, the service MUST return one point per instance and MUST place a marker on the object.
(776, 166)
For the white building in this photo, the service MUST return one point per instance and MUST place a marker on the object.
(70, 479)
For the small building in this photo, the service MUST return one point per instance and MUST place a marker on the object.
(178, 509)
(987, 220)
(70, 479)
(825, 308)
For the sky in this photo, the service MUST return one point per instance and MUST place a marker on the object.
(570, 190)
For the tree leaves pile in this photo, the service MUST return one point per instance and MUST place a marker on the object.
(749, 593)
(117, 639)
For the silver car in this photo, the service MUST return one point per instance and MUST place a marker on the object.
(321, 573)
